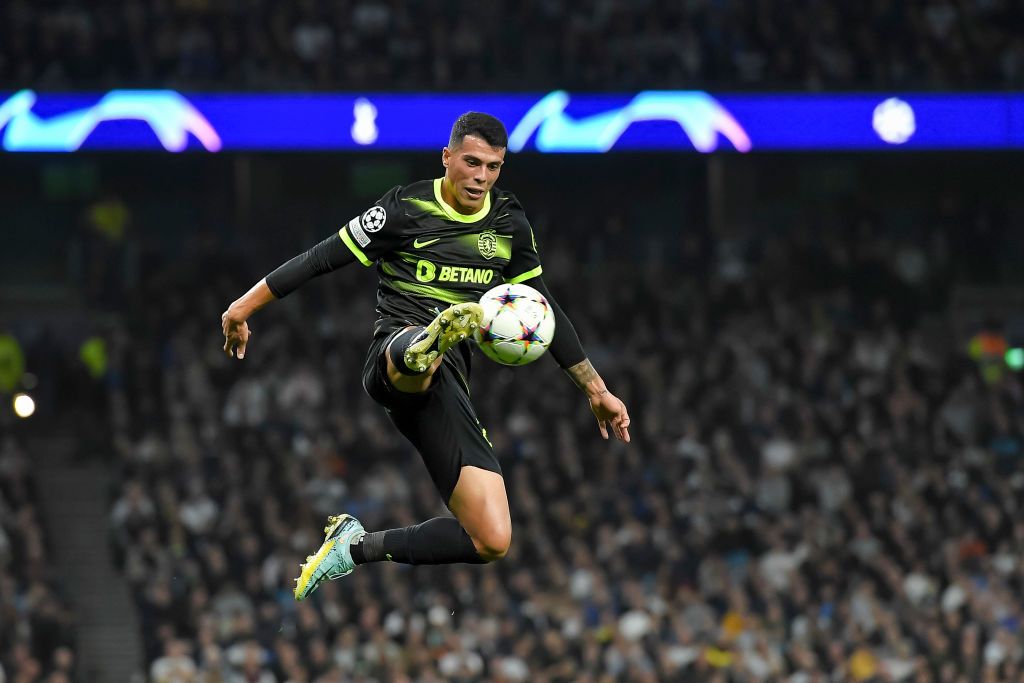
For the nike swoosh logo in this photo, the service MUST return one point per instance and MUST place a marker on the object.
(424, 243)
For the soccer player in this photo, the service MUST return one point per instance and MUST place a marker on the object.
(438, 245)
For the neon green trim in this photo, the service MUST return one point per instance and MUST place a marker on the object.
(407, 257)
(428, 207)
(454, 215)
(503, 248)
(446, 295)
(465, 384)
(343, 234)
(525, 276)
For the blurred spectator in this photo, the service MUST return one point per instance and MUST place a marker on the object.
(531, 44)
(106, 256)
(811, 492)
(12, 364)
(35, 624)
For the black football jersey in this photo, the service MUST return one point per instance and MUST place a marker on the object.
(428, 256)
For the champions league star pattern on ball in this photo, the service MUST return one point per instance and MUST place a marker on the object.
(518, 324)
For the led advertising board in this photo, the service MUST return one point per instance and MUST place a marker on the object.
(665, 121)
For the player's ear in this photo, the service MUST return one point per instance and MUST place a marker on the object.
(445, 156)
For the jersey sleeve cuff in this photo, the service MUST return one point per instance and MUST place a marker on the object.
(270, 285)
(343, 234)
(525, 276)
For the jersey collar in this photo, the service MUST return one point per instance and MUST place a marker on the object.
(455, 215)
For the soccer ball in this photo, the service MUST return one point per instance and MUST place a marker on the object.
(518, 325)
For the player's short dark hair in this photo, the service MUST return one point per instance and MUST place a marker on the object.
(482, 125)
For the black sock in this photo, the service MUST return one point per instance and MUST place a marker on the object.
(399, 344)
(441, 540)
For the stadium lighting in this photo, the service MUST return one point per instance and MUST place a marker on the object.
(24, 405)
(1015, 358)
(894, 121)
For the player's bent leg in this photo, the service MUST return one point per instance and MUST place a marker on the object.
(481, 532)
(416, 352)
(443, 427)
(480, 504)
(406, 383)
(451, 326)
(441, 540)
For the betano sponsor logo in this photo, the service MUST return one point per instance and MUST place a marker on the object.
(428, 272)
(481, 276)
(425, 271)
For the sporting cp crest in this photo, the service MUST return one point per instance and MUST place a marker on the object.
(487, 243)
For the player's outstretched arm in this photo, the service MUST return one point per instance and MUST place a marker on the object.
(606, 406)
(326, 256)
(568, 353)
(233, 321)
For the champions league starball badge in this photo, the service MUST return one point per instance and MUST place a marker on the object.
(373, 219)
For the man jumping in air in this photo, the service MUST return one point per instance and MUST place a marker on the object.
(438, 245)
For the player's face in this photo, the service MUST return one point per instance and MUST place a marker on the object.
(471, 169)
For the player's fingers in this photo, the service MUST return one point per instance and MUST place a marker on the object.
(621, 424)
(243, 342)
(604, 429)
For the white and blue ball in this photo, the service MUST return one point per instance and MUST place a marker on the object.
(518, 324)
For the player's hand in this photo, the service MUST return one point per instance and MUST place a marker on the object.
(610, 413)
(236, 333)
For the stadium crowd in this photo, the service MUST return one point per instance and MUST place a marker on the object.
(435, 44)
(817, 489)
(36, 625)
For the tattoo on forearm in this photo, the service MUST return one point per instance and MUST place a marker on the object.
(583, 373)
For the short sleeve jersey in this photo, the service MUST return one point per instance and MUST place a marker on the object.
(428, 256)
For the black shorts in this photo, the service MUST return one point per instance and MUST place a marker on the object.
(441, 422)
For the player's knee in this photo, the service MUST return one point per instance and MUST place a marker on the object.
(493, 544)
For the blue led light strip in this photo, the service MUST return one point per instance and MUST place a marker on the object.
(683, 121)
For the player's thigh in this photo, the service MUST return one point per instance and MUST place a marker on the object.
(442, 424)
(382, 380)
(480, 503)
(410, 384)
(375, 371)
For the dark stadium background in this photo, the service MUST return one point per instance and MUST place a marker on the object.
(819, 351)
